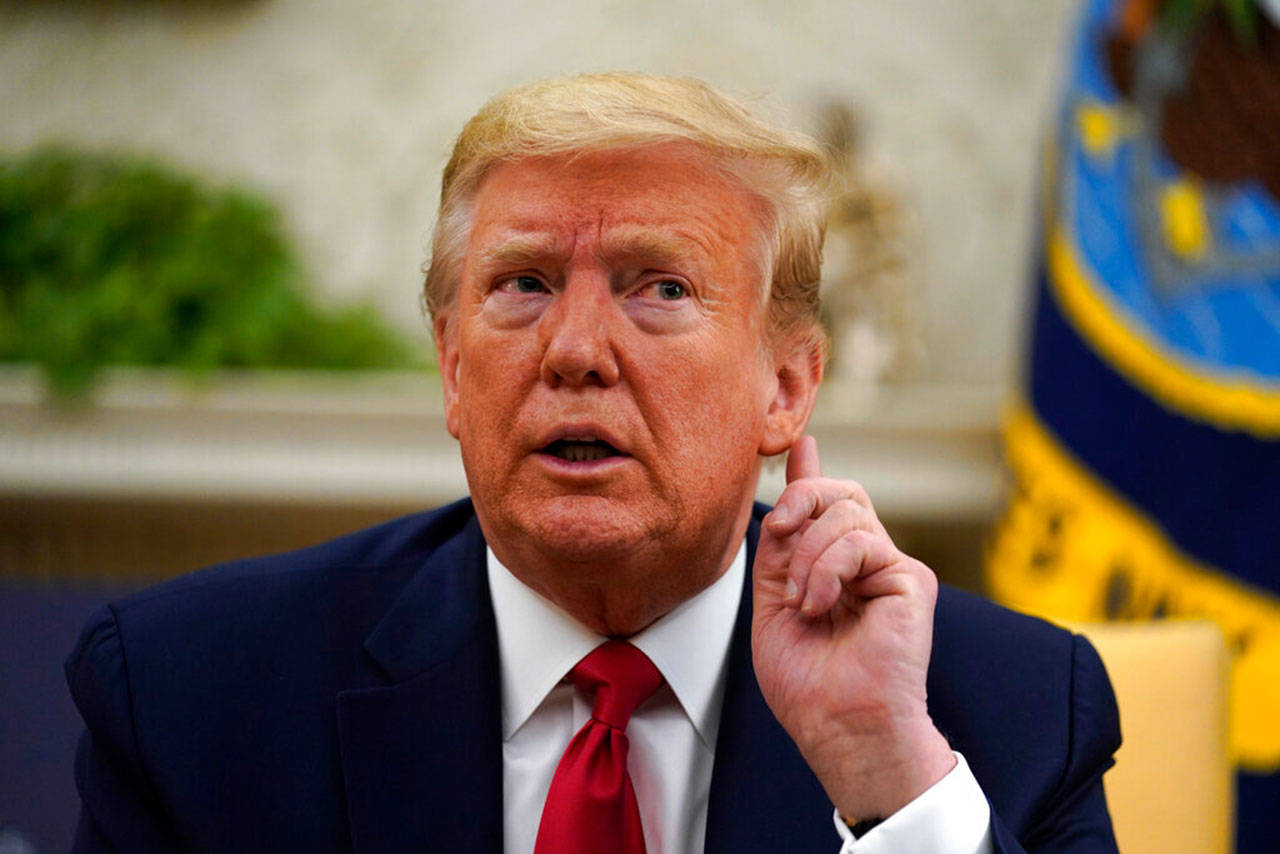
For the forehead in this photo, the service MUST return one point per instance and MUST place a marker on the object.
(664, 199)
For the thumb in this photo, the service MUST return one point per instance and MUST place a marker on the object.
(802, 460)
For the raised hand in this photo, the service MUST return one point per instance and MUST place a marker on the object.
(841, 638)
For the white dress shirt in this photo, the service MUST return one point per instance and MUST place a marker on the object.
(673, 733)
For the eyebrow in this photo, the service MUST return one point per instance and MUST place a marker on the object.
(648, 244)
(625, 242)
(516, 251)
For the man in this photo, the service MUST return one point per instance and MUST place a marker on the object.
(623, 289)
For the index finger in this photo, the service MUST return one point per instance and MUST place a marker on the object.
(802, 459)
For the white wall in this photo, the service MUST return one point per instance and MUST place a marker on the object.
(343, 111)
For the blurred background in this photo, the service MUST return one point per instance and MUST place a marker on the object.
(214, 213)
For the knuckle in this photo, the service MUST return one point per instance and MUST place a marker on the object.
(845, 556)
(921, 578)
(806, 554)
(928, 578)
(847, 508)
(802, 495)
(859, 539)
(805, 551)
(821, 569)
(784, 499)
(796, 488)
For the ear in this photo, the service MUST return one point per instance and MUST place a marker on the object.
(798, 365)
(447, 359)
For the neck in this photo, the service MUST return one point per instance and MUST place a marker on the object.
(620, 592)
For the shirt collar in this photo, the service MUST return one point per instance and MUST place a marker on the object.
(538, 643)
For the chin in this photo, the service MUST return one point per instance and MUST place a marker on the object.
(583, 528)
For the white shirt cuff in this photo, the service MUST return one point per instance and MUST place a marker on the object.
(950, 817)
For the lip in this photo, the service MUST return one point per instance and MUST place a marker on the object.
(580, 430)
(586, 468)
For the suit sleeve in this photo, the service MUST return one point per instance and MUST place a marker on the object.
(1074, 818)
(119, 807)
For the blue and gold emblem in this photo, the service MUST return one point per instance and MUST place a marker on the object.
(1146, 446)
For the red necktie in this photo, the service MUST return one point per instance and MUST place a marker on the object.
(592, 807)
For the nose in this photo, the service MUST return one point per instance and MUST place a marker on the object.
(578, 347)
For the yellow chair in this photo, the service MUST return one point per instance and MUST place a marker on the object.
(1171, 788)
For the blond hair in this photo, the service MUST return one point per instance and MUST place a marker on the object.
(590, 112)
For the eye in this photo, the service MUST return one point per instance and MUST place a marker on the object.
(522, 285)
(668, 289)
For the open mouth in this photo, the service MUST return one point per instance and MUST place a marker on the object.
(581, 450)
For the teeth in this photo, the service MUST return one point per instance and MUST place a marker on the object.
(584, 453)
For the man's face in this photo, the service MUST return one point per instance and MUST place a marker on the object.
(605, 365)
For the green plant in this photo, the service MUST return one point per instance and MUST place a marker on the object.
(109, 259)
(1183, 16)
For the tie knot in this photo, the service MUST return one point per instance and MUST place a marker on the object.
(621, 677)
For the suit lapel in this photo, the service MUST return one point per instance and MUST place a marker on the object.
(422, 756)
(763, 795)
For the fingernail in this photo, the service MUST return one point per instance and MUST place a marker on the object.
(792, 590)
(807, 605)
(781, 516)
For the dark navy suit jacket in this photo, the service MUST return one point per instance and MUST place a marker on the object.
(346, 697)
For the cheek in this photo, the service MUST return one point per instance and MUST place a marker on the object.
(492, 378)
(498, 346)
(715, 406)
